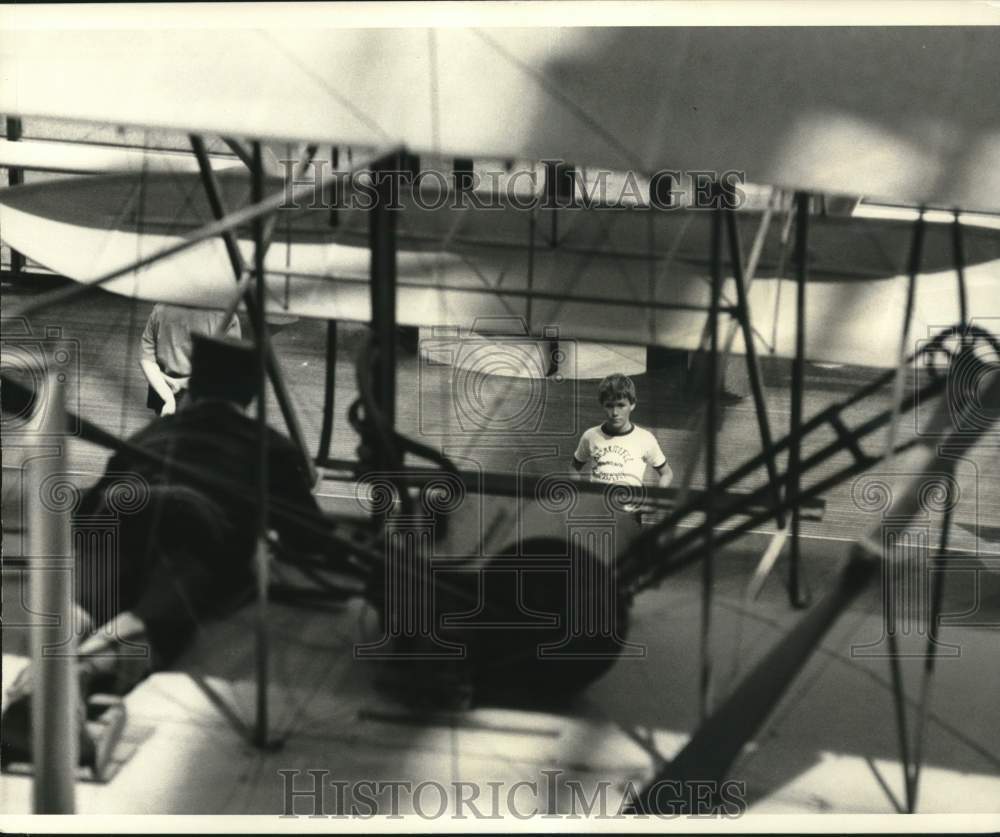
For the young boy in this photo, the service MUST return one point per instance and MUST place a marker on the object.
(619, 451)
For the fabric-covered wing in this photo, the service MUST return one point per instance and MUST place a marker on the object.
(610, 277)
(899, 113)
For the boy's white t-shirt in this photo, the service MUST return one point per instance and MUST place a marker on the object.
(619, 458)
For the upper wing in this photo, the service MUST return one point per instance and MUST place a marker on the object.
(622, 276)
(900, 113)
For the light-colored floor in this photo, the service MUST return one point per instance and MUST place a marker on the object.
(828, 746)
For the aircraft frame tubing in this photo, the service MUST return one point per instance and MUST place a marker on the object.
(742, 313)
(329, 392)
(645, 569)
(831, 415)
(633, 574)
(711, 438)
(895, 670)
(262, 632)
(797, 596)
(15, 177)
(232, 221)
(382, 241)
(219, 211)
(718, 741)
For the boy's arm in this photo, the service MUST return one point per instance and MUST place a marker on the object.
(582, 454)
(665, 475)
(658, 462)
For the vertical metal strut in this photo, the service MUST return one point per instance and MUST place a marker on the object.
(54, 698)
(382, 240)
(899, 381)
(711, 428)
(753, 364)
(329, 392)
(795, 593)
(15, 177)
(261, 727)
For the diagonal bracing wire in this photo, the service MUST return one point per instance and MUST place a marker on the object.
(290, 194)
(895, 666)
(239, 268)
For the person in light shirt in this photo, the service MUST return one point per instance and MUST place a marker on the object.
(166, 351)
(619, 451)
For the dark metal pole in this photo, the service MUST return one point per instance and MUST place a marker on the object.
(329, 393)
(15, 177)
(795, 593)
(261, 730)
(753, 365)
(711, 428)
(958, 250)
(55, 693)
(532, 222)
(237, 149)
(218, 208)
(937, 596)
(382, 240)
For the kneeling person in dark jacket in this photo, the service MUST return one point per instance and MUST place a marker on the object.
(186, 544)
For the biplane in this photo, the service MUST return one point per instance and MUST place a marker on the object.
(321, 175)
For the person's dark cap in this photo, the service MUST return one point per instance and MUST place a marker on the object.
(223, 367)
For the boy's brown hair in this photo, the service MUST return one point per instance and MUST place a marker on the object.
(616, 386)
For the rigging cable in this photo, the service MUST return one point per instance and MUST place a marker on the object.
(895, 666)
(936, 581)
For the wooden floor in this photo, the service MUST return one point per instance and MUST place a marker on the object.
(502, 423)
(829, 746)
